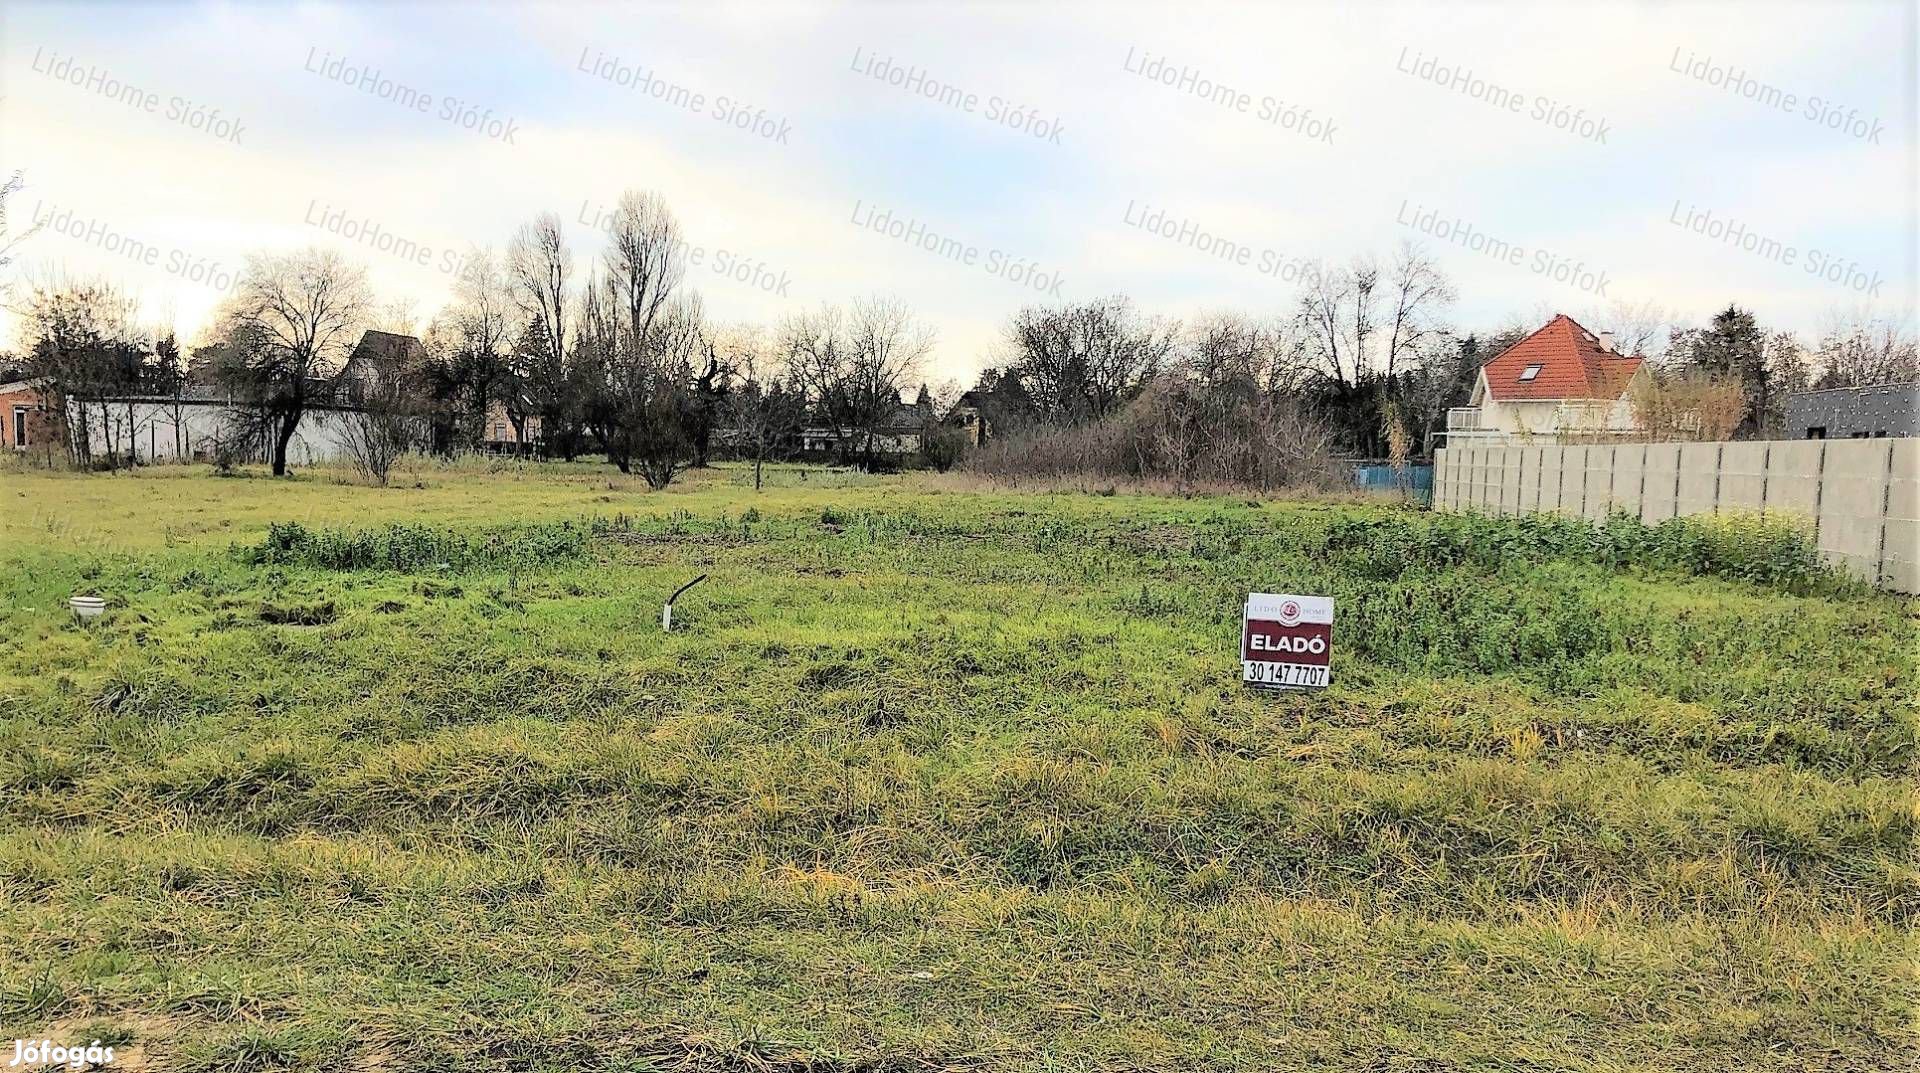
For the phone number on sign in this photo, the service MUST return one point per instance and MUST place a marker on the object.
(1259, 673)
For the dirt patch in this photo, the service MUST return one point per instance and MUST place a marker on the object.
(139, 1041)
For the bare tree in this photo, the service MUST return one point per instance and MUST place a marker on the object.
(762, 405)
(1365, 275)
(658, 404)
(887, 347)
(639, 343)
(645, 262)
(1642, 328)
(1083, 361)
(1337, 308)
(385, 424)
(1228, 350)
(10, 241)
(538, 268)
(1860, 350)
(395, 316)
(1421, 293)
(85, 348)
(471, 346)
(853, 366)
(814, 351)
(297, 317)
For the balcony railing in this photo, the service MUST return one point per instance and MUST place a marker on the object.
(1463, 419)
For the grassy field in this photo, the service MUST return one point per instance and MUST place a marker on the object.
(933, 778)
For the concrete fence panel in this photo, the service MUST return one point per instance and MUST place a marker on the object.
(1861, 497)
(1512, 465)
(1546, 478)
(1853, 498)
(1743, 476)
(1793, 477)
(1660, 477)
(1629, 479)
(1900, 545)
(1699, 486)
(1599, 497)
(1570, 489)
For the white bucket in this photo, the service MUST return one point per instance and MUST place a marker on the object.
(88, 606)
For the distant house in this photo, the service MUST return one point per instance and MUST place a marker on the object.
(380, 358)
(190, 422)
(1854, 412)
(897, 434)
(970, 414)
(1563, 382)
(23, 421)
(501, 436)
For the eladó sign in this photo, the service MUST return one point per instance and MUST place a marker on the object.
(1286, 642)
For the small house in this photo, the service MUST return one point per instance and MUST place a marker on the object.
(1563, 382)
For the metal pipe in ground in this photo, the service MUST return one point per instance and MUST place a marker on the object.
(666, 611)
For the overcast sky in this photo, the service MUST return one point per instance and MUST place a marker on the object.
(1190, 158)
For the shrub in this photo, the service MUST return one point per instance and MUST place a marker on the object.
(941, 445)
(1747, 547)
(423, 547)
(1182, 432)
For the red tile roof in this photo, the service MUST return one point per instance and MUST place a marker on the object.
(1573, 365)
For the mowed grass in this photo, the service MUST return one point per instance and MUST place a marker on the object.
(926, 778)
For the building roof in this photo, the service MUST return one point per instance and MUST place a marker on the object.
(1572, 364)
(383, 351)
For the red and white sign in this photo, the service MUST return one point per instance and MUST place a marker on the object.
(1286, 642)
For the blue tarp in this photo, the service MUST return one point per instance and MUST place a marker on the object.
(1416, 482)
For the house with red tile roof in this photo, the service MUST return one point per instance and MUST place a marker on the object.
(1562, 382)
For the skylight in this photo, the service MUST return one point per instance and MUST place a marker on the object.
(1529, 373)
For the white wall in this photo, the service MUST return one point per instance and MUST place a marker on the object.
(1545, 417)
(150, 431)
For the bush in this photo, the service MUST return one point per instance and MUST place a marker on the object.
(1178, 431)
(425, 547)
(942, 445)
(1747, 547)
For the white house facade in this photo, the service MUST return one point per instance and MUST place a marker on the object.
(1562, 383)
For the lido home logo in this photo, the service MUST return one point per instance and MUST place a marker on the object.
(1289, 613)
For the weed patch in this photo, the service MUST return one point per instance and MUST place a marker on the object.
(941, 780)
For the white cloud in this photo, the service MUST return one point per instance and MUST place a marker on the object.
(579, 141)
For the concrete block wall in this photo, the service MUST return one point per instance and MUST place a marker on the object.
(1861, 498)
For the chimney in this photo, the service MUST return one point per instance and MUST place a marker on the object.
(1606, 342)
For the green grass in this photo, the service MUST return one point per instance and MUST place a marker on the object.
(931, 777)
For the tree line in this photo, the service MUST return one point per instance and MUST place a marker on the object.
(1364, 362)
(617, 357)
(614, 354)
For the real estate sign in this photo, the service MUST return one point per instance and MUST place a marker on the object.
(1286, 642)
